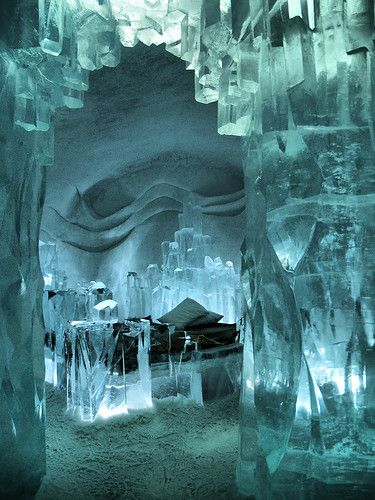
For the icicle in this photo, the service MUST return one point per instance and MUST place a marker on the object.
(51, 25)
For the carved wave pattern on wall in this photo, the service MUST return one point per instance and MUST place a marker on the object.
(86, 230)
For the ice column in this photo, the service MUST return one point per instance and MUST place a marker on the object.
(308, 261)
(22, 404)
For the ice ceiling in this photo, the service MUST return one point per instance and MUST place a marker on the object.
(296, 79)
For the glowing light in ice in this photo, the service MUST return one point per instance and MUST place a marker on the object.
(337, 375)
(105, 412)
(48, 280)
(354, 382)
(14, 430)
(294, 7)
(23, 287)
(304, 405)
(249, 384)
(51, 371)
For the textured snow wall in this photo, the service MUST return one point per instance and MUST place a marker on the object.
(295, 77)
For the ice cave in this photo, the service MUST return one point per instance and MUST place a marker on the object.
(187, 253)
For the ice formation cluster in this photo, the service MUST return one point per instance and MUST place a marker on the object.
(296, 79)
(187, 270)
(109, 364)
(112, 368)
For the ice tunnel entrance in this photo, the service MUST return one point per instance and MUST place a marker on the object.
(124, 239)
(296, 80)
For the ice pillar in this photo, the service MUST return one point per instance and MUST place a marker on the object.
(308, 256)
(272, 354)
(22, 443)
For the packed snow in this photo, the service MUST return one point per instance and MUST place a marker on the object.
(177, 450)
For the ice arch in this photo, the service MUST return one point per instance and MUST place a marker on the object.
(131, 166)
(296, 78)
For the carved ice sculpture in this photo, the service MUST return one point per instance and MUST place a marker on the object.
(187, 271)
(102, 378)
(62, 306)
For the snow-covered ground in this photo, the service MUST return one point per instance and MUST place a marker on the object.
(176, 451)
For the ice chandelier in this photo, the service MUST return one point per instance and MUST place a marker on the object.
(296, 78)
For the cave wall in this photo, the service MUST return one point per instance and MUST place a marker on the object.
(125, 163)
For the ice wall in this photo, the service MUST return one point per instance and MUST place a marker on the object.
(22, 404)
(308, 266)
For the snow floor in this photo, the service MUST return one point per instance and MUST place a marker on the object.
(178, 450)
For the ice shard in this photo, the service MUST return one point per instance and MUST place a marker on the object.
(51, 25)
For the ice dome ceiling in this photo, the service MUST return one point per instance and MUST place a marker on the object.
(127, 160)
